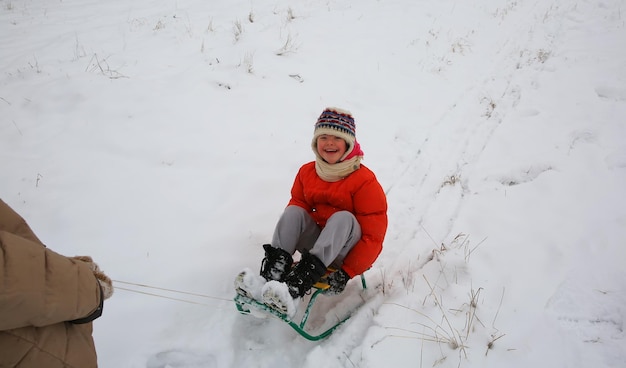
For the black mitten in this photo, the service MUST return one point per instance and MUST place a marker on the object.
(337, 281)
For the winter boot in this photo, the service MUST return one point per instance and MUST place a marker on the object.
(248, 283)
(276, 264)
(285, 296)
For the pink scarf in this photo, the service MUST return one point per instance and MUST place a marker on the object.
(356, 151)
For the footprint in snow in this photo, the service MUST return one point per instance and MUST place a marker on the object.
(181, 358)
(611, 93)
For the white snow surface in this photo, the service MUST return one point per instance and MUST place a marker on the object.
(162, 137)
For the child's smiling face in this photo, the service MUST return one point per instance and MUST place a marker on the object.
(331, 148)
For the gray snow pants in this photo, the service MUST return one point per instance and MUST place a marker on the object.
(296, 230)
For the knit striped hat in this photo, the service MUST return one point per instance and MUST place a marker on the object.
(337, 122)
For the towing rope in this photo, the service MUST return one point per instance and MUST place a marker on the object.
(168, 290)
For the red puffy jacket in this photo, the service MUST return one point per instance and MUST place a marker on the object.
(359, 193)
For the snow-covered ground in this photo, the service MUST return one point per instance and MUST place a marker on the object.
(162, 137)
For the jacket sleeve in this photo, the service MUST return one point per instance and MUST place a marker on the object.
(13, 223)
(370, 207)
(297, 192)
(39, 287)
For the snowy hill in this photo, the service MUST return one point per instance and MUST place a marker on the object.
(162, 137)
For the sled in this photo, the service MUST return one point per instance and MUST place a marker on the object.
(244, 303)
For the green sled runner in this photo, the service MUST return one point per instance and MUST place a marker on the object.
(245, 305)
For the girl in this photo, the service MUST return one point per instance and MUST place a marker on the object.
(337, 216)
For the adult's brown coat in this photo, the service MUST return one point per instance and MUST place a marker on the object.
(40, 292)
